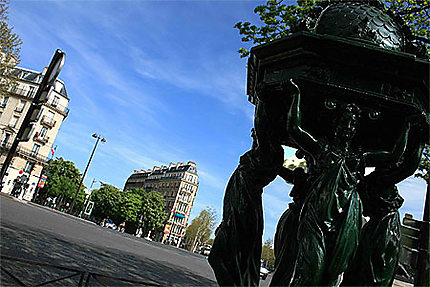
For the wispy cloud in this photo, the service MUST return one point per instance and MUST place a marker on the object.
(413, 190)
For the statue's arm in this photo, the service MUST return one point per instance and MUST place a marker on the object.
(382, 158)
(287, 174)
(411, 158)
(305, 140)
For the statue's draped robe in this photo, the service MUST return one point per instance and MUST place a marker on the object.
(380, 242)
(330, 221)
(285, 243)
(236, 252)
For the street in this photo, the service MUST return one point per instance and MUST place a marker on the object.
(39, 234)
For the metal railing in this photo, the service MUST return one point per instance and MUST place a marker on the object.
(84, 278)
(47, 121)
(30, 95)
(24, 93)
(59, 108)
(41, 139)
(25, 152)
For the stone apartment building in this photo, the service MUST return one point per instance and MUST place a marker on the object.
(30, 156)
(178, 183)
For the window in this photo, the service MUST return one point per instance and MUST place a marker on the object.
(14, 121)
(42, 132)
(20, 106)
(5, 139)
(28, 167)
(55, 101)
(50, 116)
(30, 92)
(35, 150)
(4, 102)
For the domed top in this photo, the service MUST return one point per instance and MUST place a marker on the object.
(361, 22)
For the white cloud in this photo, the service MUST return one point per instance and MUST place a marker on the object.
(413, 190)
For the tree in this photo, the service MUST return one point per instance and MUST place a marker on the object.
(153, 214)
(10, 45)
(62, 182)
(129, 207)
(200, 229)
(268, 254)
(105, 201)
(279, 19)
(424, 167)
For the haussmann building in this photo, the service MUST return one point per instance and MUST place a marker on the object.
(178, 183)
(31, 156)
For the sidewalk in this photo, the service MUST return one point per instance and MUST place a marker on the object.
(45, 207)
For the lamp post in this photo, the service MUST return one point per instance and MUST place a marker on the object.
(99, 138)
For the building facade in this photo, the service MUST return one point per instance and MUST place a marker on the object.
(24, 172)
(178, 183)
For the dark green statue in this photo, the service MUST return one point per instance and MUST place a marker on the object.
(379, 248)
(286, 233)
(349, 90)
(330, 219)
(236, 251)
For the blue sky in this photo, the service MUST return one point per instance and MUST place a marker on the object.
(162, 81)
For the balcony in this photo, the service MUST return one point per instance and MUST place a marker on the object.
(48, 122)
(24, 93)
(19, 109)
(40, 139)
(30, 95)
(26, 154)
(58, 108)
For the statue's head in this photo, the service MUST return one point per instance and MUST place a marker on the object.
(345, 125)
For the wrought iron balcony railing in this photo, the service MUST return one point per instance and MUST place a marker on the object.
(41, 139)
(59, 108)
(29, 94)
(47, 121)
(25, 153)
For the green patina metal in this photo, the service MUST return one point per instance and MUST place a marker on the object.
(349, 90)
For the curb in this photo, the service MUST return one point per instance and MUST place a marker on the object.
(45, 207)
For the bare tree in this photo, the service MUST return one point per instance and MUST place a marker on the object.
(200, 229)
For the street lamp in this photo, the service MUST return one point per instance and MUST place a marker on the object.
(99, 138)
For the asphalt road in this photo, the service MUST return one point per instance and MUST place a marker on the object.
(38, 234)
